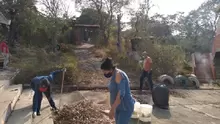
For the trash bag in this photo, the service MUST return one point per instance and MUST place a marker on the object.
(160, 96)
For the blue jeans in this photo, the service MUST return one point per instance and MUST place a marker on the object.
(123, 117)
(147, 74)
(37, 99)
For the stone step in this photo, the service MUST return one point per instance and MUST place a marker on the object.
(46, 114)
(8, 74)
(7, 77)
(4, 84)
(9, 97)
(22, 111)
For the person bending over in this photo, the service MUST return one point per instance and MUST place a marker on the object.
(42, 85)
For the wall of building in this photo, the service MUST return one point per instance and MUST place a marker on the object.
(216, 51)
(216, 42)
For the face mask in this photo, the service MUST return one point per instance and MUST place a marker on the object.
(108, 75)
(42, 89)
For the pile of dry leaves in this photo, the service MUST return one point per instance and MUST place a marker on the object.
(83, 112)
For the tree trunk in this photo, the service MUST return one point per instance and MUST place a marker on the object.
(119, 32)
(54, 37)
(136, 26)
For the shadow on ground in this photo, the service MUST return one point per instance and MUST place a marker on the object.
(24, 114)
(161, 113)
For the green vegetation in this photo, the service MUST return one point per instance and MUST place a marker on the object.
(169, 40)
(36, 61)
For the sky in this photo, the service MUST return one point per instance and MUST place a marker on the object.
(168, 7)
(173, 6)
(165, 7)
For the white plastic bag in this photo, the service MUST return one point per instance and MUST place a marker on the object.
(145, 113)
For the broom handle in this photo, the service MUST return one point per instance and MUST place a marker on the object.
(61, 91)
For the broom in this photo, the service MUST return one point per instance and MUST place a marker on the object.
(61, 91)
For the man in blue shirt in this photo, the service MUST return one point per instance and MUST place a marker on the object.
(40, 85)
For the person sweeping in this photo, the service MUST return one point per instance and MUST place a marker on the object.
(42, 85)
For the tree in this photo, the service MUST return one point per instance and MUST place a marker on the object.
(140, 18)
(199, 26)
(90, 16)
(55, 9)
(20, 12)
(111, 7)
(119, 32)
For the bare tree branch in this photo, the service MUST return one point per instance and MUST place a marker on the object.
(54, 8)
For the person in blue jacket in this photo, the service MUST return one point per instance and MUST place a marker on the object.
(40, 85)
(121, 100)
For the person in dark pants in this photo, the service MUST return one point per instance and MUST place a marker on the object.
(147, 72)
(40, 85)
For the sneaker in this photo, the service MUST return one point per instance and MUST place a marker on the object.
(53, 109)
(34, 114)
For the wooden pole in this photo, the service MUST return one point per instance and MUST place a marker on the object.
(61, 91)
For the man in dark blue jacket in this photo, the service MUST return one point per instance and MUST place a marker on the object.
(40, 85)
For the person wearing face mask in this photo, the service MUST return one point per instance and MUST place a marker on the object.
(121, 100)
(42, 85)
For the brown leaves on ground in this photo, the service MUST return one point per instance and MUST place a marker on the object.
(91, 78)
(89, 65)
(99, 53)
(83, 112)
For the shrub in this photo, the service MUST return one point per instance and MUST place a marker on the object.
(167, 59)
(36, 61)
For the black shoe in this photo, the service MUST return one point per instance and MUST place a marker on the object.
(53, 109)
(38, 114)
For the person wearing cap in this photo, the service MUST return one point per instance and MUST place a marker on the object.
(5, 53)
(146, 72)
(41, 85)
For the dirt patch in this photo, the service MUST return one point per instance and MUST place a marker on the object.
(83, 112)
(140, 99)
(143, 97)
(177, 94)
